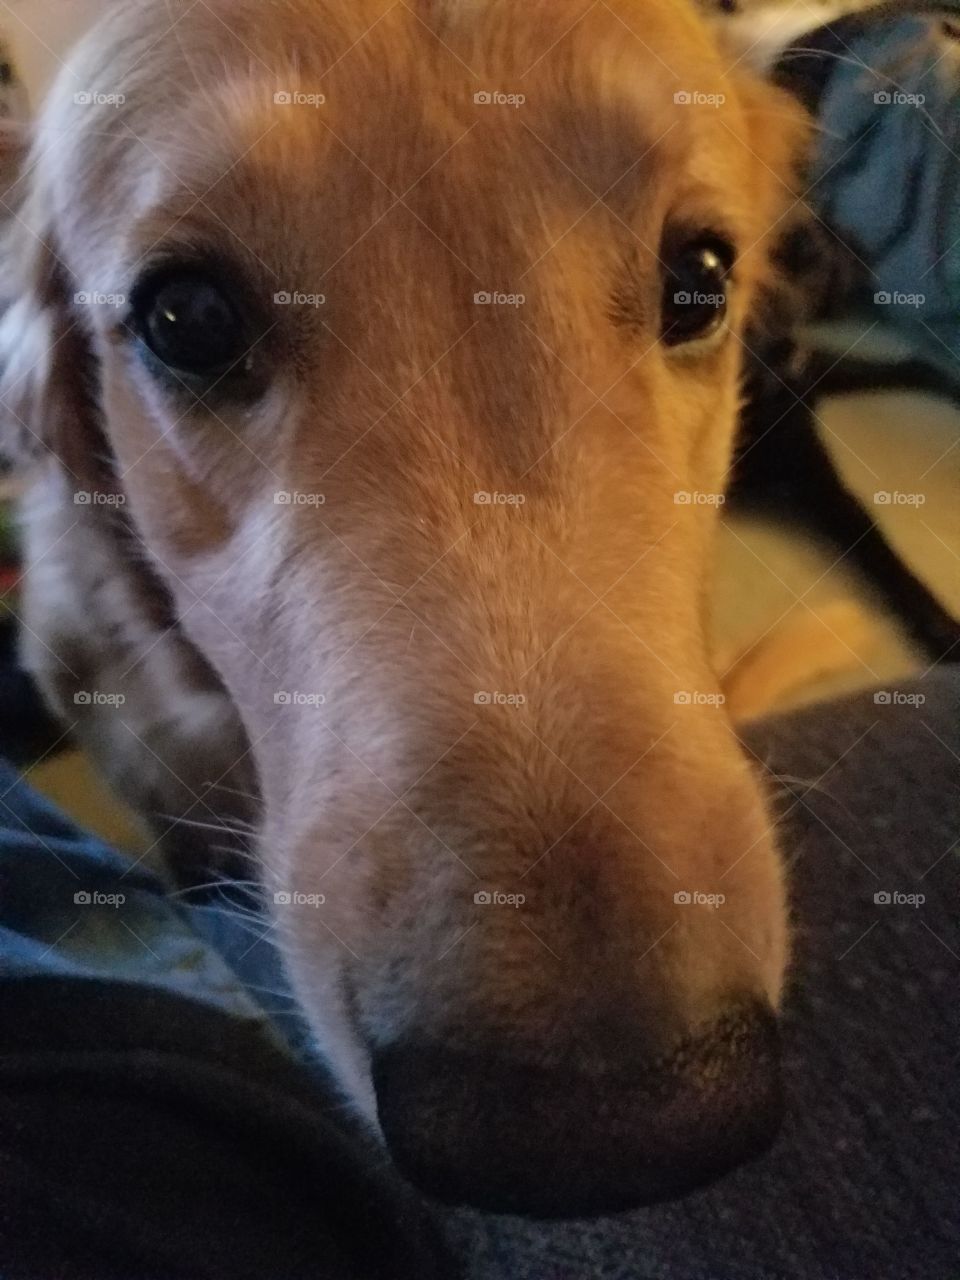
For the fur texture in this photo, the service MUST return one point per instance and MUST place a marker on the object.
(442, 696)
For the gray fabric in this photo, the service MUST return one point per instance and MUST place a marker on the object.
(863, 1184)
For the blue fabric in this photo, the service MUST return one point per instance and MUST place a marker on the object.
(72, 907)
(887, 173)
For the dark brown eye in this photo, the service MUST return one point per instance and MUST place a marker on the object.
(189, 324)
(695, 287)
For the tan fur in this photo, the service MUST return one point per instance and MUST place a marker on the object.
(398, 600)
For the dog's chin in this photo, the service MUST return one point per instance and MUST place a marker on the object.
(338, 1043)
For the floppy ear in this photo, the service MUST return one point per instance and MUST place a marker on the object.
(44, 356)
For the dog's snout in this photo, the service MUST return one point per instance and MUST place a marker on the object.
(513, 1136)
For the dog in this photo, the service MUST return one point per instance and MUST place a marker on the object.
(358, 354)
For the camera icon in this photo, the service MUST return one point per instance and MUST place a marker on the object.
(483, 898)
(882, 698)
(482, 499)
(682, 299)
(82, 898)
(483, 299)
(682, 898)
(283, 498)
(882, 299)
(882, 898)
(482, 699)
(282, 899)
(282, 699)
(882, 98)
(82, 699)
(483, 98)
(882, 498)
(682, 498)
(682, 698)
(683, 98)
(82, 498)
(83, 99)
(283, 99)
(283, 299)
(82, 299)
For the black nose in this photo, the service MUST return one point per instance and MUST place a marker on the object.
(508, 1136)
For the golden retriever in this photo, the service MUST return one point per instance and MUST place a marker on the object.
(379, 361)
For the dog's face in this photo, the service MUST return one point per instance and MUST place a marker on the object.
(421, 388)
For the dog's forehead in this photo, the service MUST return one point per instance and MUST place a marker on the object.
(554, 102)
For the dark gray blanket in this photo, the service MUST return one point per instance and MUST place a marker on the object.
(865, 1182)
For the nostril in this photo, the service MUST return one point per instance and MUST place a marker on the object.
(513, 1136)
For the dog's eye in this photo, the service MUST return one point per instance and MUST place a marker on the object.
(189, 324)
(695, 287)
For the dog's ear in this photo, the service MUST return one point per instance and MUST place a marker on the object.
(43, 354)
